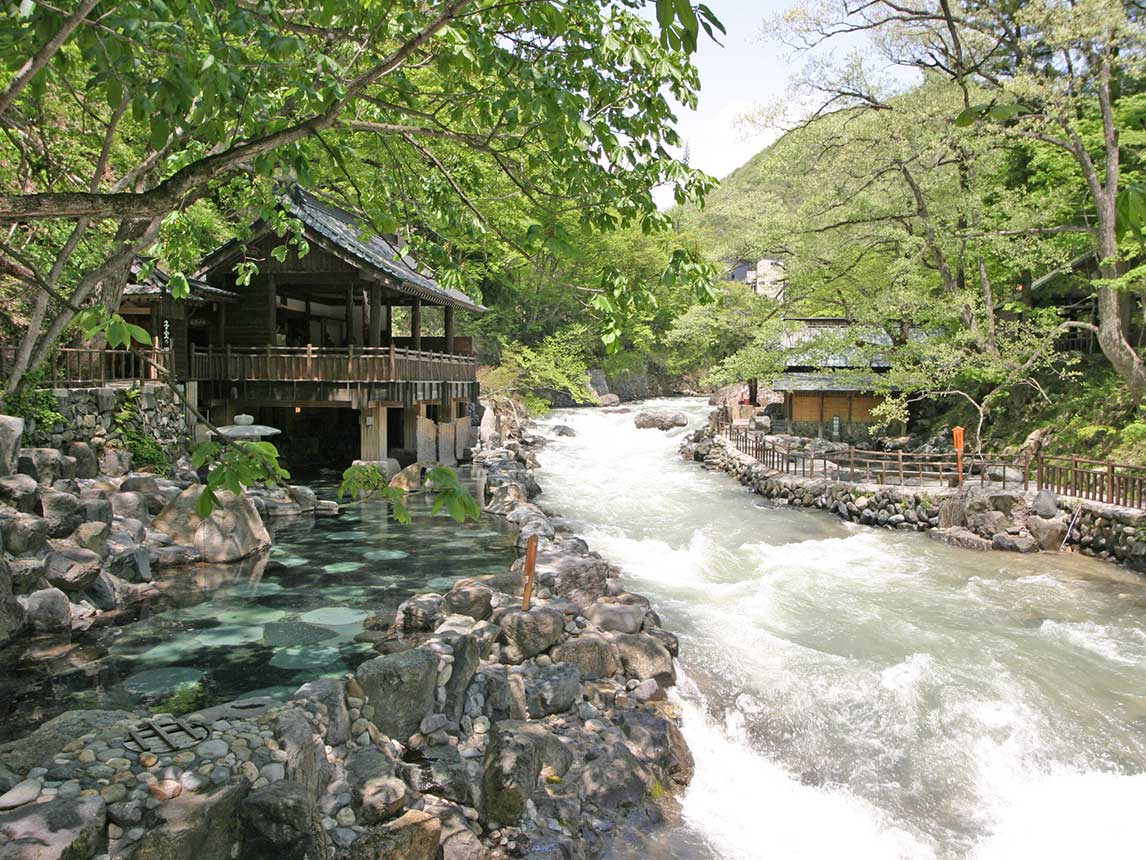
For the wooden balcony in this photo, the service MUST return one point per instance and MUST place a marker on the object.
(341, 365)
(71, 367)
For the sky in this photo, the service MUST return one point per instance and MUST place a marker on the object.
(745, 71)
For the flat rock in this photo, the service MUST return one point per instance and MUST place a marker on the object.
(401, 688)
(64, 829)
(21, 793)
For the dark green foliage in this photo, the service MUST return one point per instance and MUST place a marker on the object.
(146, 452)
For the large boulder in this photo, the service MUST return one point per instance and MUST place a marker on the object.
(306, 761)
(552, 689)
(579, 578)
(87, 464)
(49, 611)
(282, 821)
(592, 655)
(643, 656)
(196, 826)
(45, 465)
(130, 505)
(1045, 504)
(660, 420)
(11, 430)
(375, 789)
(526, 634)
(19, 492)
(617, 617)
(114, 462)
(517, 752)
(467, 658)
(232, 531)
(63, 512)
(72, 568)
(401, 689)
(471, 598)
(13, 616)
(23, 534)
(1048, 532)
(414, 836)
(70, 828)
(1014, 543)
(656, 740)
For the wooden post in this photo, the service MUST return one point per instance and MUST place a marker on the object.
(530, 564)
(416, 324)
(448, 327)
(901, 467)
(375, 315)
(348, 316)
(389, 325)
(272, 310)
(1109, 483)
(957, 441)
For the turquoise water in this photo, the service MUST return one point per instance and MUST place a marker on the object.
(262, 626)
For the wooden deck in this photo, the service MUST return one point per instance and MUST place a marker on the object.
(330, 364)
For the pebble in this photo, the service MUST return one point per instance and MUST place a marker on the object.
(212, 749)
(114, 831)
(113, 793)
(273, 772)
(165, 789)
(481, 724)
(345, 816)
(183, 758)
(86, 756)
(148, 759)
(249, 771)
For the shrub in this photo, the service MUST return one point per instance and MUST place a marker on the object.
(145, 450)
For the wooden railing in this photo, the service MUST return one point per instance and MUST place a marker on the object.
(329, 364)
(71, 367)
(1095, 480)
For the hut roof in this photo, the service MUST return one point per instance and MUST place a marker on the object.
(355, 240)
(155, 284)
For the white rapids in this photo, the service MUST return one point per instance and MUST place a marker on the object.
(860, 693)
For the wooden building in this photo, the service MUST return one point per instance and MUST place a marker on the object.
(310, 345)
(829, 392)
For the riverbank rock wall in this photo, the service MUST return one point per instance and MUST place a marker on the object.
(480, 731)
(971, 517)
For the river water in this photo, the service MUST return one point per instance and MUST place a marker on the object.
(862, 693)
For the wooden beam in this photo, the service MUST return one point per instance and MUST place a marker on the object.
(389, 324)
(416, 324)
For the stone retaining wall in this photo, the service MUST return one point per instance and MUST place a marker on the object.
(90, 417)
(968, 517)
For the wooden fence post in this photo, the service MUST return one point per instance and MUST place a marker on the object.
(1110, 482)
(530, 564)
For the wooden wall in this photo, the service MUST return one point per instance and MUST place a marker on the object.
(806, 406)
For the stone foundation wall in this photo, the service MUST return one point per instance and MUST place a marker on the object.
(90, 416)
(969, 517)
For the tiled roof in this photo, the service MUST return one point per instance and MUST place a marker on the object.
(352, 235)
(829, 381)
(156, 281)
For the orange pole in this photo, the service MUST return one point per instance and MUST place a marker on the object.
(530, 563)
(957, 439)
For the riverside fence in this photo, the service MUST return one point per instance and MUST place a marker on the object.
(1076, 477)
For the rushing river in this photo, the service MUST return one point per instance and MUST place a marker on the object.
(862, 693)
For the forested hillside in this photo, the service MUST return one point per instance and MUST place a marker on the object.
(978, 218)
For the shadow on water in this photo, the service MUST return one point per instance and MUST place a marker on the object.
(260, 626)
